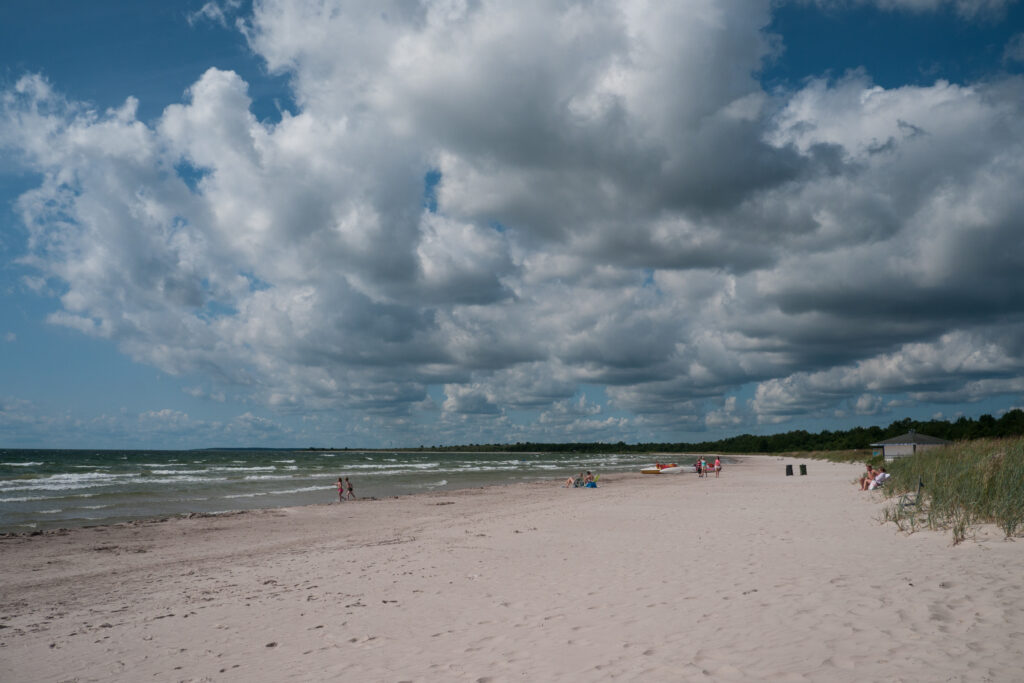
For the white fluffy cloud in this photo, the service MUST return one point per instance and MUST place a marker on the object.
(510, 201)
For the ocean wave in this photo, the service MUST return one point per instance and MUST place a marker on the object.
(65, 481)
(285, 461)
(281, 492)
(397, 466)
(49, 512)
(266, 477)
(426, 484)
(21, 464)
(302, 489)
(264, 468)
(87, 480)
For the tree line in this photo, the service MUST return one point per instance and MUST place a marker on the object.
(963, 429)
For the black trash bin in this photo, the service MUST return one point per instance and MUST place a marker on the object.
(803, 470)
(789, 470)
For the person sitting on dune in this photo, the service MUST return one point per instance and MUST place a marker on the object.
(880, 477)
(869, 476)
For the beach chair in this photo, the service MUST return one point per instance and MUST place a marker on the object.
(912, 500)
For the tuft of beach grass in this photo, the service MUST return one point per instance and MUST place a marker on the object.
(965, 484)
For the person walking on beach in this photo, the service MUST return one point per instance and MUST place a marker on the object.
(718, 466)
(341, 490)
(351, 493)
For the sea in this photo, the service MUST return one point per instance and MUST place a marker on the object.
(50, 489)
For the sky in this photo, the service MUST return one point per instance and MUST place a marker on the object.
(346, 224)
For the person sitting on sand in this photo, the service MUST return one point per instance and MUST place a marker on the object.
(588, 481)
(869, 476)
(569, 482)
(879, 479)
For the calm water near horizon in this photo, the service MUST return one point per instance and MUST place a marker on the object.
(47, 489)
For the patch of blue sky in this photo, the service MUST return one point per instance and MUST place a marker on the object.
(431, 180)
(59, 368)
(190, 175)
(149, 50)
(436, 393)
(256, 283)
(894, 47)
(212, 310)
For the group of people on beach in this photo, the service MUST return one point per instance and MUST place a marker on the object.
(584, 480)
(704, 470)
(873, 478)
(345, 487)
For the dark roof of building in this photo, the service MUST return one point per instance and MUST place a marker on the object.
(912, 438)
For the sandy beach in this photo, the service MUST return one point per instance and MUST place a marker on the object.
(753, 576)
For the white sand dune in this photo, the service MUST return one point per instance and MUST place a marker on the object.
(753, 576)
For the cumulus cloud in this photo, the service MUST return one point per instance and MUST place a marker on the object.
(505, 202)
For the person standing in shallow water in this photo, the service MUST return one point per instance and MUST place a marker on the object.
(351, 493)
(341, 490)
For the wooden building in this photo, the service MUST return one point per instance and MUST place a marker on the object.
(908, 444)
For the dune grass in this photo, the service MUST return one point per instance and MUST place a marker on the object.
(965, 483)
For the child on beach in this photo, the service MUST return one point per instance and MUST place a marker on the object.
(341, 490)
(351, 493)
(718, 466)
